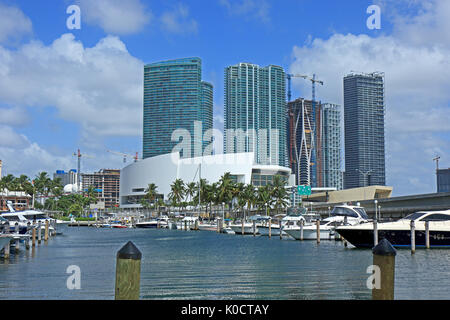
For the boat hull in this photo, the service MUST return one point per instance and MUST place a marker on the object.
(264, 231)
(310, 234)
(398, 238)
(247, 229)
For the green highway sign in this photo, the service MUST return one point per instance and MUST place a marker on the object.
(304, 190)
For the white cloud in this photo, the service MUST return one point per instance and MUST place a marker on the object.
(116, 16)
(99, 88)
(178, 20)
(14, 116)
(13, 24)
(258, 9)
(417, 95)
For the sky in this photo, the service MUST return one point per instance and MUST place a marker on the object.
(65, 89)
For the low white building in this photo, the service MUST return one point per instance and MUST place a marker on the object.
(165, 169)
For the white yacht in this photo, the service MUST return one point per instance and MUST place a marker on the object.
(399, 232)
(341, 215)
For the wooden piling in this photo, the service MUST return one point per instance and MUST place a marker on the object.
(16, 230)
(375, 233)
(318, 230)
(281, 230)
(384, 258)
(128, 272)
(196, 225)
(46, 231)
(7, 250)
(254, 228)
(33, 235)
(270, 228)
(185, 225)
(39, 232)
(427, 234)
(413, 237)
(243, 232)
(302, 223)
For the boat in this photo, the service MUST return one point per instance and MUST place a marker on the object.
(291, 220)
(25, 219)
(341, 215)
(207, 226)
(398, 233)
(187, 222)
(248, 227)
(161, 222)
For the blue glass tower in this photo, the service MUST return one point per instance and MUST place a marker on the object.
(175, 97)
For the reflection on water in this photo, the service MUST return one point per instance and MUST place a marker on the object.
(207, 265)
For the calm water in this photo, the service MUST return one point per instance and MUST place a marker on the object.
(207, 265)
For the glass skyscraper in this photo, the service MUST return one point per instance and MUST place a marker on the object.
(175, 97)
(255, 112)
(364, 111)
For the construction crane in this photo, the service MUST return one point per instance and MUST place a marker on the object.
(124, 155)
(437, 162)
(79, 155)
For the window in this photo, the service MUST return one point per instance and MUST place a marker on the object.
(340, 211)
(414, 216)
(437, 217)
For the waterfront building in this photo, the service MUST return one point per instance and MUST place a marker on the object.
(320, 134)
(175, 98)
(106, 182)
(364, 110)
(163, 170)
(255, 112)
(66, 178)
(443, 180)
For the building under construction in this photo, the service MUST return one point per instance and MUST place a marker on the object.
(314, 143)
(106, 182)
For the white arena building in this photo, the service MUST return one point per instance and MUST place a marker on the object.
(163, 170)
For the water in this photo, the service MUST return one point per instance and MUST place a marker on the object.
(206, 265)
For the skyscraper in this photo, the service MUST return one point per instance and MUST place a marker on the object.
(255, 112)
(175, 97)
(329, 166)
(364, 110)
(321, 135)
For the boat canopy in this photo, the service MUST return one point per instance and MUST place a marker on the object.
(354, 212)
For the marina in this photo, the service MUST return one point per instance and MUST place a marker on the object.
(184, 264)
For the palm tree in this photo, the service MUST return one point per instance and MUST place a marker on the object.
(178, 192)
(151, 192)
(279, 194)
(249, 195)
(190, 190)
(42, 183)
(264, 197)
(225, 189)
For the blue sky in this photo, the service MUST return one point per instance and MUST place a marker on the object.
(68, 89)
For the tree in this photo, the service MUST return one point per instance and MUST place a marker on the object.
(280, 196)
(249, 195)
(178, 192)
(225, 189)
(264, 197)
(151, 192)
(190, 191)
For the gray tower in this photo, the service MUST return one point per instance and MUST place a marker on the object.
(364, 111)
